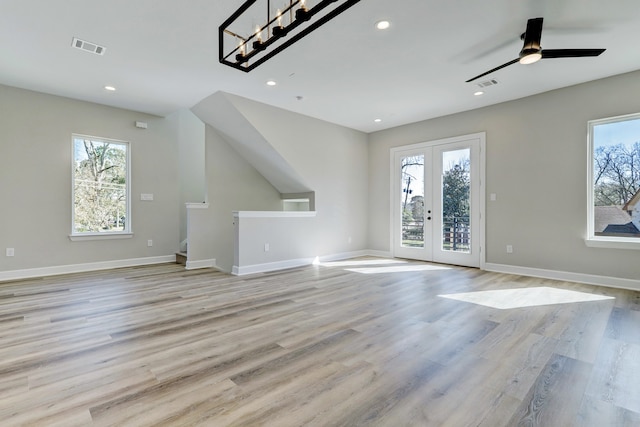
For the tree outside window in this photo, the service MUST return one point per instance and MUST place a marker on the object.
(100, 186)
(615, 186)
(456, 201)
(412, 168)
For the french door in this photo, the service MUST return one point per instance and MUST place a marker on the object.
(437, 200)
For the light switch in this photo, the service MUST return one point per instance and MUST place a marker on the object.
(146, 197)
(493, 197)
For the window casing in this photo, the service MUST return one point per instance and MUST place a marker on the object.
(101, 203)
(613, 194)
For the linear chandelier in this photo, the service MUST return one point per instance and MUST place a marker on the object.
(245, 44)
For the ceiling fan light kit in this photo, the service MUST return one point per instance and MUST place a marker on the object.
(280, 28)
(530, 58)
(532, 51)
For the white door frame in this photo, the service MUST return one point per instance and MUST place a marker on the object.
(481, 137)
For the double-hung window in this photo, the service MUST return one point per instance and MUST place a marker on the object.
(101, 188)
(614, 182)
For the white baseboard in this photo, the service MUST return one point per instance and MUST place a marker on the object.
(300, 262)
(613, 282)
(590, 279)
(341, 256)
(380, 254)
(205, 263)
(80, 268)
(270, 266)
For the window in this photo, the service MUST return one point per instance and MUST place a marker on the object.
(614, 182)
(101, 183)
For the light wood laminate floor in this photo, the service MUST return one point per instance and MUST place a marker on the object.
(364, 342)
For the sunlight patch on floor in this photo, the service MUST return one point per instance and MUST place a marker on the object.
(398, 269)
(525, 297)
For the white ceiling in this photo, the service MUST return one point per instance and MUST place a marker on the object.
(162, 55)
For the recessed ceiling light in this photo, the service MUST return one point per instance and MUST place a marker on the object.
(478, 93)
(383, 25)
(377, 120)
(110, 88)
(271, 83)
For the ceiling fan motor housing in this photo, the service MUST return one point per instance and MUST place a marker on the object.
(532, 37)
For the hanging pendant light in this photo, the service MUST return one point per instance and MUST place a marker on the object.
(275, 34)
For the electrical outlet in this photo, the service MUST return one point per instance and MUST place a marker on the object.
(266, 247)
(10, 252)
(149, 243)
(509, 249)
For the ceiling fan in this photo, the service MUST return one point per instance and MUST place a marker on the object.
(532, 52)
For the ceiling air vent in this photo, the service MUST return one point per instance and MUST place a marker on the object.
(488, 83)
(88, 46)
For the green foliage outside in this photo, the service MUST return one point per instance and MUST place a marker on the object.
(455, 191)
(456, 184)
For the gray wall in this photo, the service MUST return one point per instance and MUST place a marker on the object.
(35, 180)
(332, 160)
(191, 158)
(537, 166)
(536, 163)
(232, 185)
(290, 238)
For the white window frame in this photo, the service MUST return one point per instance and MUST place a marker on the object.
(128, 232)
(591, 239)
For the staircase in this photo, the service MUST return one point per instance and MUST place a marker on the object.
(181, 258)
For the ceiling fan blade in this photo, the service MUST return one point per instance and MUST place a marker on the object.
(570, 53)
(494, 69)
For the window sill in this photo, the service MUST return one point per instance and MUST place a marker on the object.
(99, 236)
(613, 243)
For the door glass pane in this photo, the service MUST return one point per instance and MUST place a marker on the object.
(456, 182)
(412, 201)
